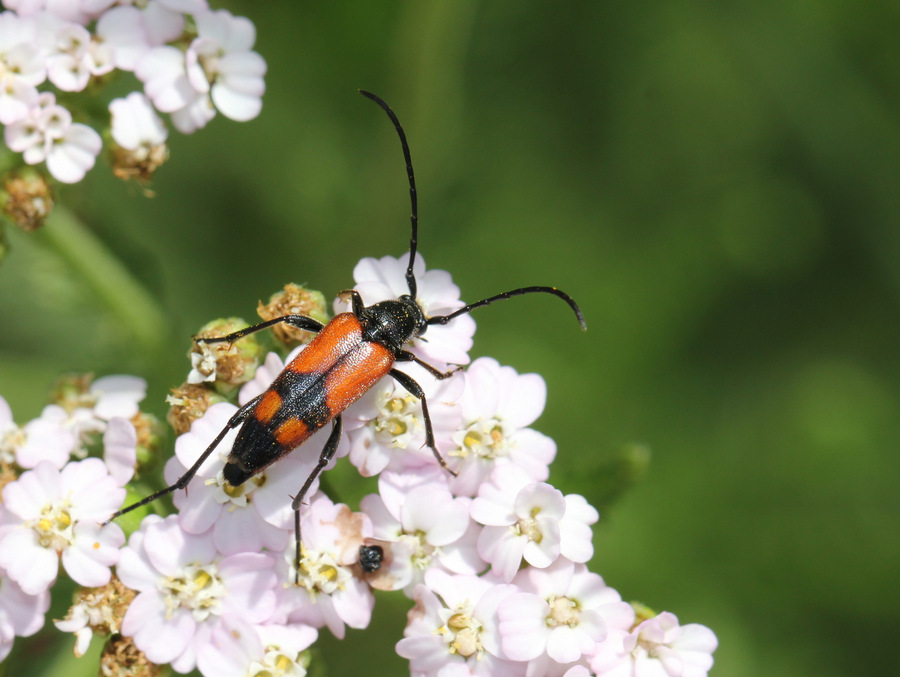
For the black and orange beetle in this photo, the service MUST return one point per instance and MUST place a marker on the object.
(346, 358)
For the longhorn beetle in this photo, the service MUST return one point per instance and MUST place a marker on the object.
(346, 358)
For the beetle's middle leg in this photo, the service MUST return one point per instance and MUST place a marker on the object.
(416, 391)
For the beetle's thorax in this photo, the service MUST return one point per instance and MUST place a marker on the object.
(393, 323)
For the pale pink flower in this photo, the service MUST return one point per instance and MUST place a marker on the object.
(238, 649)
(132, 31)
(135, 124)
(521, 521)
(163, 73)
(218, 68)
(21, 614)
(395, 483)
(453, 628)
(425, 530)
(51, 512)
(122, 28)
(328, 592)
(531, 521)
(46, 438)
(75, 56)
(384, 278)
(193, 115)
(68, 10)
(74, 154)
(108, 397)
(610, 658)
(120, 449)
(22, 67)
(16, 99)
(117, 395)
(164, 21)
(47, 134)
(220, 62)
(186, 588)
(33, 134)
(497, 406)
(563, 611)
(387, 421)
(660, 647)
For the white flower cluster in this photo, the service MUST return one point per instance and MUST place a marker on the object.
(493, 557)
(54, 498)
(69, 44)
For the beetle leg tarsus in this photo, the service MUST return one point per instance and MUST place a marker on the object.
(406, 356)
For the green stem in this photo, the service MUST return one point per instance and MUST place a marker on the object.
(105, 274)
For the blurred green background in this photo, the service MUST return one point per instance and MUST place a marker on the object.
(715, 182)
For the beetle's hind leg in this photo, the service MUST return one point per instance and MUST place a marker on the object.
(183, 481)
(324, 458)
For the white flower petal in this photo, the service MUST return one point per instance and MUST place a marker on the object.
(70, 160)
(235, 105)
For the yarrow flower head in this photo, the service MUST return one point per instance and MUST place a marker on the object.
(454, 627)
(496, 407)
(427, 527)
(329, 592)
(188, 69)
(48, 513)
(186, 589)
(46, 133)
(531, 521)
(47, 438)
(661, 646)
(559, 615)
(238, 649)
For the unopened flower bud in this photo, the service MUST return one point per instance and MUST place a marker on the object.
(121, 658)
(188, 403)
(149, 438)
(72, 391)
(228, 364)
(293, 300)
(96, 610)
(138, 164)
(28, 200)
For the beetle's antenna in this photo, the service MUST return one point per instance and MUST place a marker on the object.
(414, 216)
(444, 319)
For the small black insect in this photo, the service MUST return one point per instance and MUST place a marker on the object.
(370, 557)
